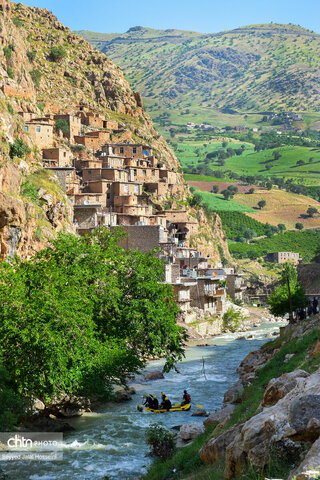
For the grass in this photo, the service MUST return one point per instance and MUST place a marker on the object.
(218, 203)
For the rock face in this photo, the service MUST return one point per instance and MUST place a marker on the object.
(157, 375)
(220, 416)
(191, 431)
(309, 469)
(278, 387)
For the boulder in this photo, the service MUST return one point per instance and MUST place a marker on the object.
(157, 375)
(38, 405)
(220, 416)
(232, 395)
(68, 406)
(200, 412)
(304, 416)
(309, 469)
(279, 387)
(216, 447)
(191, 431)
(122, 395)
(47, 424)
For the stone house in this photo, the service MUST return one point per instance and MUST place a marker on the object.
(41, 133)
(112, 174)
(209, 295)
(282, 257)
(182, 294)
(235, 286)
(86, 217)
(68, 179)
(93, 140)
(143, 237)
(57, 157)
(126, 150)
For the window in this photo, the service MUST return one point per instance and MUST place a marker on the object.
(64, 154)
(144, 172)
(153, 172)
(136, 189)
(126, 188)
(135, 172)
(38, 129)
(89, 172)
(97, 199)
(26, 129)
(121, 149)
(134, 149)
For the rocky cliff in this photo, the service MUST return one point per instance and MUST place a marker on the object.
(45, 68)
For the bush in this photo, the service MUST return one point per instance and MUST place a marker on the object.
(10, 108)
(232, 319)
(19, 148)
(7, 52)
(36, 76)
(161, 441)
(17, 22)
(11, 404)
(31, 54)
(63, 125)
(29, 191)
(10, 73)
(57, 54)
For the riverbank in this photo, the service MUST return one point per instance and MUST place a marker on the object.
(269, 423)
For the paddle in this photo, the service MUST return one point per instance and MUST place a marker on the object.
(199, 406)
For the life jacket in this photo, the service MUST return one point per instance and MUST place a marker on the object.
(187, 397)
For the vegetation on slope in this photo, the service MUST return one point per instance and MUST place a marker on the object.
(253, 68)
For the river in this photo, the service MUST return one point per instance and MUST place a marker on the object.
(110, 443)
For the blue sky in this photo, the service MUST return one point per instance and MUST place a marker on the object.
(197, 15)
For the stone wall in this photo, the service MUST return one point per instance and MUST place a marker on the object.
(142, 237)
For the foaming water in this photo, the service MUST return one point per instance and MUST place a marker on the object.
(110, 443)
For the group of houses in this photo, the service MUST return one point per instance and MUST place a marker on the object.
(111, 183)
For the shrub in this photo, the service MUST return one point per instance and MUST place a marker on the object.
(11, 404)
(10, 73)
(19, 148)
(161, 441)
(7, 52)
(17, 22)
(10, 108)
(299, 226)
(231, 319)
(36, 76)
(63, 125)
(57, 54)
(31, 54)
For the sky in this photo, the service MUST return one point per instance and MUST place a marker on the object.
(207, 16)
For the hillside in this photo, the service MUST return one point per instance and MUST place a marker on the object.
(45, 70)
(249, 69)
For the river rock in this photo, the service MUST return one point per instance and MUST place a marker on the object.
(279, 387)
(215, 448)
(68, 406)
(220, 416)
(38, 405)
(157, 375)
(200, 412)
(122, 395)
(191, 431)
(232, 395)
(309, 469)
(47, 424)
(304, 412)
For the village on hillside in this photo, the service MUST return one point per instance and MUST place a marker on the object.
(109, 184)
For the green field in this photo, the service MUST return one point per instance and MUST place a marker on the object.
(252, 163)
(235, 223)
(218, 203)
(306, 243)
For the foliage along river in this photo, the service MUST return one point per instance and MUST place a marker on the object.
(110, 443)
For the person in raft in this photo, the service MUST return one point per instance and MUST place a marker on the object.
(148, 401)
(155, 403)
(165, 404)
(186, 398)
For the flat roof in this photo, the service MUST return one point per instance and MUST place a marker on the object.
(57, 168)
(92, 206)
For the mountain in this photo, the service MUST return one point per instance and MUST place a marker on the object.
(250, 69)
(46, 69)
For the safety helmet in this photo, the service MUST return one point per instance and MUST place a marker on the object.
(154, 396)
(147, 395)
(185, 391)
(166, 398)
(163, 394)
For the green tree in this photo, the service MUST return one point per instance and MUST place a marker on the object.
(62, 125)
(251, 191)
(276, 155)
(299, 226)
(289, 295)
(19, 148)
(281, 227)
(84, 314)
(261, 204)
(31, 54)
(312, 211)
(215, 189)
(36, 76)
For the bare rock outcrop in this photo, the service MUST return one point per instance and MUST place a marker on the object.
(279, 387)
(191, 431)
